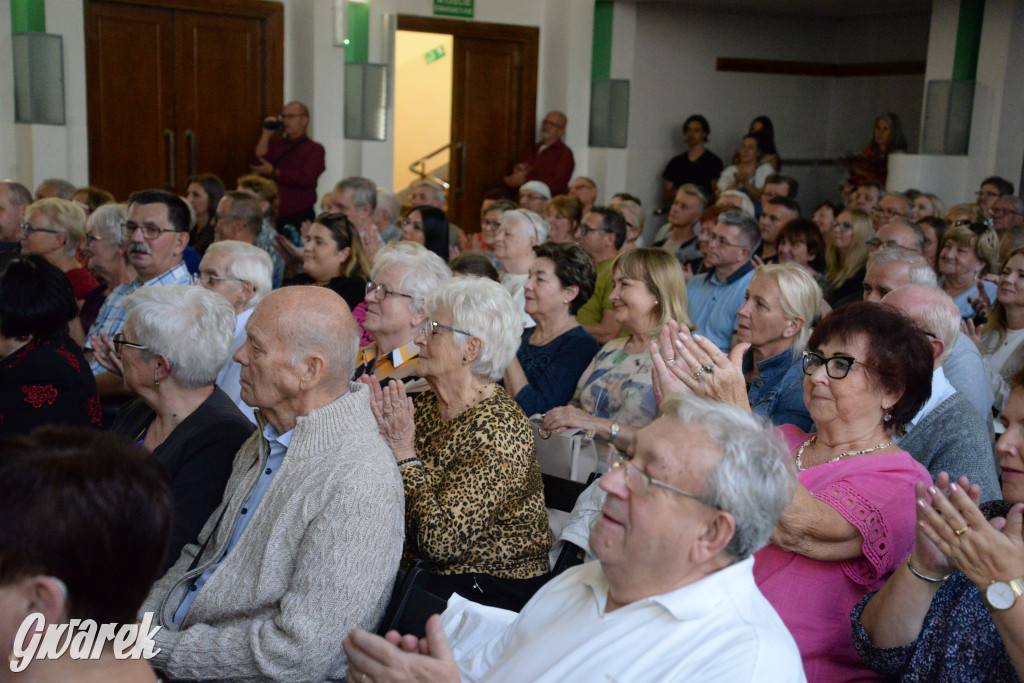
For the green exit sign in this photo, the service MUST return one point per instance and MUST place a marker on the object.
(454, 8)
(435, 54)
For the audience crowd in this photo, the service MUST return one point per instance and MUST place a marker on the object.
(252, 421)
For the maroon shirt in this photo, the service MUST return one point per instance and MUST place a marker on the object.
(553, 166)
(297, 173)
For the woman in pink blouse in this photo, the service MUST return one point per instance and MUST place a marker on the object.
(867, 372)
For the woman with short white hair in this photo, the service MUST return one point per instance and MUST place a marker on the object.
(107, 252)
(174, 342)
(53, 229)
(521, 230)
(403, 274)
(474, 501)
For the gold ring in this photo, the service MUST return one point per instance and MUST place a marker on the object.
(961, 532)
(670, 361)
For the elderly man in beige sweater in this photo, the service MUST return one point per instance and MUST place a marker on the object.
(306, 542)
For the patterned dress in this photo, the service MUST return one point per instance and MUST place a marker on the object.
(617, 385)
(476, 504)
(47, 382)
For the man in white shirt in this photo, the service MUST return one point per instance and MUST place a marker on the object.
(672, 597)
(241, 273)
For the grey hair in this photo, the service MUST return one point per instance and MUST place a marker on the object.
(634, 214)
(745, 201)
(108, 220)
(936, 313)
(749, 232)
(192, 327)
(20, 195)
(755, 479)
(921, 272)
(388, 203)
(436, 191)
(530, 224)
(799, 296)
(62, 215)
(485, 309)
(364, 191)
(248, 208)
(249, 263)
(65, 189)
(420, 271)
(694, 191)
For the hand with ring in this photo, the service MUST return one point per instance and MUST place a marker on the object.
(983, 550)
(664, 371)
(393, 411)
(702, 367)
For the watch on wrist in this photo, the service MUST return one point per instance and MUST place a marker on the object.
(613, 431)
(1002, 595)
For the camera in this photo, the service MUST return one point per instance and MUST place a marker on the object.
(273, 125)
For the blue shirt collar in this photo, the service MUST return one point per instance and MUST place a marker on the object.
(740, 272)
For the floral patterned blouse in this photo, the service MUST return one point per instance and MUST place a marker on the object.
(617, 385)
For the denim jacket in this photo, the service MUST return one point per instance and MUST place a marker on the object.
(778, 390)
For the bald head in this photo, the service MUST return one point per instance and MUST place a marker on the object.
(553, 127)
(933, 310)
(317, 321)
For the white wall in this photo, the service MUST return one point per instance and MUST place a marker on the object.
(814, 117)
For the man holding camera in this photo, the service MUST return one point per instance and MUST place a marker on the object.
(293, 162)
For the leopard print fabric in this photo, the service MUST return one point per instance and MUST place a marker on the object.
(476, 504)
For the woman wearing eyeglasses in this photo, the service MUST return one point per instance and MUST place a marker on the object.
(333, 257)
(846, 257)
(54, 228)
(867, 372)
(474, 501)
(403, 275)
(520, 231)
(44, 378)
(175, 341)
(427, 225)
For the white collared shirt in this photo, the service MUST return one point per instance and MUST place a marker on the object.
(719, 628)
(941, 390)
(227, 378)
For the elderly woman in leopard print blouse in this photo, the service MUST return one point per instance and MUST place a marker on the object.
(474, 501)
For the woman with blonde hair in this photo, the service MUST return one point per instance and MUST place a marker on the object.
(53, 229)
(563, 213)
(615, 395)
(964, 214)
(1001, 340)
(968, 253)
(847, 256)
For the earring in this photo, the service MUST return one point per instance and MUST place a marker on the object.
(463, 359)
(888, 416)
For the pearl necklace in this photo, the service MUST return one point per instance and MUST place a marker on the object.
(800, 451)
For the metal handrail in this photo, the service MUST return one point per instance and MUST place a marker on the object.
(422, 170)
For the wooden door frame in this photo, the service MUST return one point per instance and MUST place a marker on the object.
(527, 35)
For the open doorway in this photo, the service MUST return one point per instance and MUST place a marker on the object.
(423, 107)
(492, 101)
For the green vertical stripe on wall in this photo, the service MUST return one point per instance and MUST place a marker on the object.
(968, 40)
(28, 16)
(601, 56)
(358, 48)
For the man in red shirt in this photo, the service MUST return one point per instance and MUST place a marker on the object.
(293, 162)
(549, 161)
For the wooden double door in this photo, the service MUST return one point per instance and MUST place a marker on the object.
(178, 87)
(494, 102)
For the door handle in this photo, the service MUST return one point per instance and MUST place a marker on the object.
(190, 135)
(171, 152)
(462, 166)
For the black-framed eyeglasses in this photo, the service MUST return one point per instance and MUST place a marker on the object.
(150, 232)
(639, 482)
(120, 342)
(987, 193)
(886, 212)
(430, 328)
(489, 226)
(836, 367)
(586, 230)
(28, 229)
(382, 292)
(720, 241)
(842, 226)
(206, 278)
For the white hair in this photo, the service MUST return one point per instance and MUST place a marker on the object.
(746, 202)
(418, 271)
(108, 220)
(192, 327)
(935, 312)
(388, 203)
(63, 216)
(485, 309)
(531, 224)
(249, 263)
(921, 272)
(755, 479)
(799, 296)
(436, 191)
